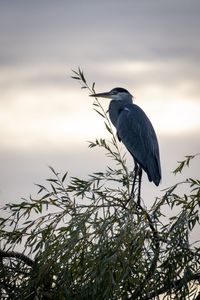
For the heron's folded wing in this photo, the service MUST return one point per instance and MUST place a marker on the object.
(137, 133)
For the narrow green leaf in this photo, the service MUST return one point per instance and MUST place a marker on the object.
(75, 77)
(52, 169)
(75, 72)
(99, 113)
(63, 178)
(93, 86)
(108, 128)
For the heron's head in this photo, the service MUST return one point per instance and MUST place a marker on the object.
(115, 94)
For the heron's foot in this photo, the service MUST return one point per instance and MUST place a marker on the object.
(132, 200)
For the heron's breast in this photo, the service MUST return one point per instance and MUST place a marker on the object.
(115, 109)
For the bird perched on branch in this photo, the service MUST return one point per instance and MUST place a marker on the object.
(136, 132)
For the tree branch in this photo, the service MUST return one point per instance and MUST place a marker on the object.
(176, 284)
(198, 297)
(153, 265)
(5, 254)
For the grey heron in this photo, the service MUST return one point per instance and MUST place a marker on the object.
(136, 132)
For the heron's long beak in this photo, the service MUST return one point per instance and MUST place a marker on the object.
(102, 95)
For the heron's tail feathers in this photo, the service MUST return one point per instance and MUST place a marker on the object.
(154, 171)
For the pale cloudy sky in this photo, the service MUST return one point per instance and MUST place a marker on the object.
(152, 48)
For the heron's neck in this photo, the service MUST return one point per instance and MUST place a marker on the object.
(124, 101)
(115, 108)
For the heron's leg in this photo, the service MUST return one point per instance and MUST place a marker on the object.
(139, 184)
(134, 179)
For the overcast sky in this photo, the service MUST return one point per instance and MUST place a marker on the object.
(151, 48)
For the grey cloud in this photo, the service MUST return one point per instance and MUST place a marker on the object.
(91, 29)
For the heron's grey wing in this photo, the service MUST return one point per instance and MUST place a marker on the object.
(137, 134)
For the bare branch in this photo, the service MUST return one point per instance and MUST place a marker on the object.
(18, 255)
